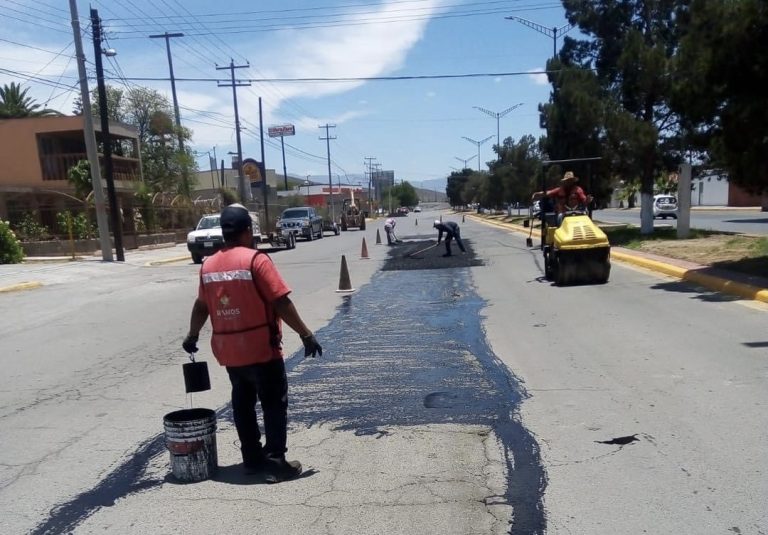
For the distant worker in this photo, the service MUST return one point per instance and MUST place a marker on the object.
(568, 196)
(245, 297)
(389, 228)
(452, 231)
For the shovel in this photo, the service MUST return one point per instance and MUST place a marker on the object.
(411, 255)
(196, 378)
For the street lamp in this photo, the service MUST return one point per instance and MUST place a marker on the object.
(465, 161)
(498, 116)
(549, 32)
(478, 143)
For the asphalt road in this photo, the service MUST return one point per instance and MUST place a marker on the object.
(461, 400)
(743, 221)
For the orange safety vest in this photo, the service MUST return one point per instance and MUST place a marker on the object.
(246, 329)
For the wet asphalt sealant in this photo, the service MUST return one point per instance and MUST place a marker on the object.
(419, 355)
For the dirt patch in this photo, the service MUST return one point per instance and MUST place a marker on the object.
(707, 251)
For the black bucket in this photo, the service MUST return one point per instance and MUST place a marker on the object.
(196, 378)
(190, 436)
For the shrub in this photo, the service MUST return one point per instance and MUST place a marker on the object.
(30, 229)
(82, 229)
(10, 246)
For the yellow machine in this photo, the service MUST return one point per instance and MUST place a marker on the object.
(577, 251)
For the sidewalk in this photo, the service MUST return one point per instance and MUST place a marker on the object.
(35, 272)
(719, 280)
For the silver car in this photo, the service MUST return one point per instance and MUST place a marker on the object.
(664, 206)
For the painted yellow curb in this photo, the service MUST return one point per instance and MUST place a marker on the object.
(711, 282)
(21, 286)
(168, 261)
(717, 284)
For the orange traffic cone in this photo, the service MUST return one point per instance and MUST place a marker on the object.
(345, 285)
(378, 237)
(364, 251)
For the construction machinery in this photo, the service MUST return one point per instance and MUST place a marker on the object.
(351, 215)
(576, 250)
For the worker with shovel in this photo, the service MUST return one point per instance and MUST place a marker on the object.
(245, 297)
(389, 228)
(452, 232)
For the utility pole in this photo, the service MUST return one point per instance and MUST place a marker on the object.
(465, 161)
(478, 143)
(244, 192)
(327, 140)
(90, 139)
(263, 168)
(167, 36)
(185, 171)
(368, 162)
(114, 209)
(498, 116)
(549, 32)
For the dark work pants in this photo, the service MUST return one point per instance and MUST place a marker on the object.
(450, 236)
(266, 383)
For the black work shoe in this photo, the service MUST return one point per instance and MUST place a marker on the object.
(278, 469)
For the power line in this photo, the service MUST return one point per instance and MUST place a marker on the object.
(359, 78)
(252, 28)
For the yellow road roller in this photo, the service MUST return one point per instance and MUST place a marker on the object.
(576, 251)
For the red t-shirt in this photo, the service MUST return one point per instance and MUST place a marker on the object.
(566, 199)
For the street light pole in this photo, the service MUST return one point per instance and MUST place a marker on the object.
(498, 116)
(90, 139)
(106, 141)
(466, 161)
(478, 143)
(549, 32)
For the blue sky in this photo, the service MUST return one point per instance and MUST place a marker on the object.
(414, 127)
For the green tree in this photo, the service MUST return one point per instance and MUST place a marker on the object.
(517, 170)
(79, 176)
(14, 104)
(720, 86)
(403, 194)
(455, 186)
(631, 46)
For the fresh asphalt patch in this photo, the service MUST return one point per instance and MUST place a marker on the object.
(407, 350)
(428, 254)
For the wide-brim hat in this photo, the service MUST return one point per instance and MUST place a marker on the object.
(569, 177)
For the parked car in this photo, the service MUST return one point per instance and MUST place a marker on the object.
(664, 206)
(303, 221)
(206, 238)
(417, 209)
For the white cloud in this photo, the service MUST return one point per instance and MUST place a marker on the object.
(364, 50)
(538, 78)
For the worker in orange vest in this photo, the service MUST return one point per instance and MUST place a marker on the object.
(246, 298)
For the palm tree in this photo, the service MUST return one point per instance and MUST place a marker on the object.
(15, 103)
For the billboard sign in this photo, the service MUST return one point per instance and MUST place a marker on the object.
(253, 170)
(282, 130)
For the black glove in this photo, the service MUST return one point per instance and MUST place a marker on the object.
(190, 344)
(311, 346)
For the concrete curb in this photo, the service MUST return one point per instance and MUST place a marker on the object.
(21, 286)
(167, 261)
(718, 284)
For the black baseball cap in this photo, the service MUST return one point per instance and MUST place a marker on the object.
(235, 219)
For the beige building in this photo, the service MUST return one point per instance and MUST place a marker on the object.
(37, 152)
